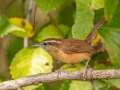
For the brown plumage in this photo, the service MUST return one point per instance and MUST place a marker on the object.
(68, 50)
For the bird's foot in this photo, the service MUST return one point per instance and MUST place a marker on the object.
(85, 70)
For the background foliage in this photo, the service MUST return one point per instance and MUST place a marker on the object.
(58, 19)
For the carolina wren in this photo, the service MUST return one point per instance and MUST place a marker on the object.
(72, 50)
(68, 50)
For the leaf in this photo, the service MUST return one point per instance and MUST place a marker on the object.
(49, 31)
(97, 4)
(115, 22)
(96, 40)
(101, 61)
(29, 61)
(83, 19)
(3, 24)
(111, 38)
(11, 27)
(114, 82)
(69, 67)
(76, 85)
(64, 29)
(65, 85)
(109, 8)
(14, 46)
(101, 85)
(66, 15)
(34, 87)
(40, 87)
(23, 24)
(49, 5)
(80, 85)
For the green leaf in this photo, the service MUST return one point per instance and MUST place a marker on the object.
(109, 8)
(111, 39)
(49, 5)
(40, 87)
(80, 85)
(29, 61)
(114, 82)
(97, 4)
(101, 85)
(83, 19)
(14, 46)
(3, 24)
(66, 16)
(49, 31)
(12, 29)
(115, 22)
(64, 29)
(76, 85)
(69, 67)
(34, 87)
(65, 85)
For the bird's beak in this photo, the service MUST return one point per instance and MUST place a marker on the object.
(41, 45)
(37, 45)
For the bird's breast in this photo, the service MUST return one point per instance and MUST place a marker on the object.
(70, 58)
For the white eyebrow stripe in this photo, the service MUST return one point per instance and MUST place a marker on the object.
(53, 41)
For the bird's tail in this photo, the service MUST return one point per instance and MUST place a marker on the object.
(92, 35)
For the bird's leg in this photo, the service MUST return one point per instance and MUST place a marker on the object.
(94, 85)
(85, 68)
(85, 74)
(19, 88)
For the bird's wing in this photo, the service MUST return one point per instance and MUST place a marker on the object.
(79, 47)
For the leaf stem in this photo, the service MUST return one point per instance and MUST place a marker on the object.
(28, 17)
(25, 42)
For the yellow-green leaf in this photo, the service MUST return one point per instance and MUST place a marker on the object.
(24, 25)
(80, 85)
(83, 19)
(49, 31)
(16, 26)
(29, 61)
(97, 4)
(49, 5)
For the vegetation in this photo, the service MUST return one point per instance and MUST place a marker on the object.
(24, 22)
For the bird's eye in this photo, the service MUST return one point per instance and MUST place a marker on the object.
(45, 43)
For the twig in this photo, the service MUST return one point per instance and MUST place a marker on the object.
(29, 13)
(4, 66)
(28, 17)
(60, 75)
(94, 85)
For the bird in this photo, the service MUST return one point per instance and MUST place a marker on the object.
(69, 51)
(73, 51)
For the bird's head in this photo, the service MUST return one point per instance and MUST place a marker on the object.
(49, 44)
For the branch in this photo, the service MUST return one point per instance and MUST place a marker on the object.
(60, 75)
